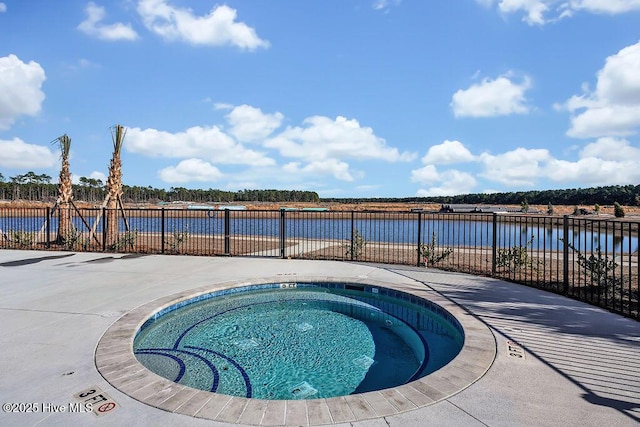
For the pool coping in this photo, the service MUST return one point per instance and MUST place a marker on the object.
(118, 365)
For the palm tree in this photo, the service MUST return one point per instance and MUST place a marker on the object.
(65, 191)
(114, 184)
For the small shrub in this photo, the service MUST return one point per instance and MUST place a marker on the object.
(430, 254)
(596, 209)
(618, 210)
(598, 266)
(23, 239)
(356, 247)
(177, 239)
(524, 206)
(515, 257)
(125, 240)
(550, 209)
(73, 239)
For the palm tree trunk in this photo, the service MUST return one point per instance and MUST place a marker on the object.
(114, 186)
(65, 193)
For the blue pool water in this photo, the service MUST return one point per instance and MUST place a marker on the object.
(298, 341)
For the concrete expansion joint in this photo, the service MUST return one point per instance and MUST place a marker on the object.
(73, 313)
(466, 412)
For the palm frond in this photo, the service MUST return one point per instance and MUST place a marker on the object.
(65, 145)
(118, 133)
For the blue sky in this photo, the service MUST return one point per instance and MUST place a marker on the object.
(348, 98)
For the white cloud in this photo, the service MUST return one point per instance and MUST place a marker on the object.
(608, 161)
(324, 144)
(218, 28)
(338, 169)
(221, 105)
(447, 183)
(17, 154)
(319, 148)
(447, 153)
(209, 143)
(613, 108)
(94, 27)
(605, 6)
(323, 138)
(80, 65)
(98, 175)
(385, 4)
(190, 170)
(426, 174)
(251, 124)
(594, 171)
(519, 167)
(611, 149)
(20, 89)
(534, 10)
(3, 7)
(540, 12)
(499, 97)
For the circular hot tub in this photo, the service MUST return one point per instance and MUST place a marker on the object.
(312, 351)
(298, 340)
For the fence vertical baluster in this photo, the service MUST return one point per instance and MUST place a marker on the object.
(352, 233)
(606, 279)
(565, 255)
(162, 231)
(419, 235)
(282, 233)
(629, 277)
(48, 229)
(227, 238)
(637, 316)
(494, 244)
(104, 229)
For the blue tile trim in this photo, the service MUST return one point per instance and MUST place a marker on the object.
(247, 382)
(214, 370)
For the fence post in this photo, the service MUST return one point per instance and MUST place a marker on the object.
(565, 254)
(282, 233)
(162, 230)
(494, 244)
(104, 229)
(419, 236)
(227, 228)
(353, 235)
(48, 229)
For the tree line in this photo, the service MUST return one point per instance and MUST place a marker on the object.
(33, 187)
(628, 195)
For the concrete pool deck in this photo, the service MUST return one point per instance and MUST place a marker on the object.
(581, 364)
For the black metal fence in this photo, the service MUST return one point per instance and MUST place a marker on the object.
(588, 258)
